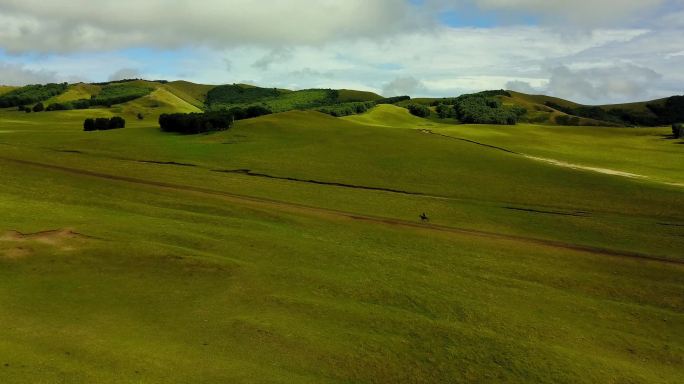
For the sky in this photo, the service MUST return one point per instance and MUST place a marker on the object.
(590, 51)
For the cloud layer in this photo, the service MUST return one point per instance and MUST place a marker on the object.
(78, 25)
(593, 52)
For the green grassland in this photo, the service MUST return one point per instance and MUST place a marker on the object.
(281, 100)
(6, 88)
(289, 249)
(75, 92)
(195, 94)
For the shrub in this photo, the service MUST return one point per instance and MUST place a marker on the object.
(445, 111)
(567, 120)
(419, 110)
(89, 125)
(678, 130)
(38, 107)
(392, 100)
(346, 109)
(116, 122)
(103, 123)
(256, 111)
(59, 107)
(193, 123)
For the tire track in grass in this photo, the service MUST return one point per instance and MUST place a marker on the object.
(332, 213)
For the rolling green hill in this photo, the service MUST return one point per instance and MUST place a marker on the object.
(195, 94)
(289, 248)
(76, 92)
(538, 109)
(6, 88)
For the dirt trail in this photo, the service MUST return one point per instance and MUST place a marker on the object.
(559, 163)
(332, 213)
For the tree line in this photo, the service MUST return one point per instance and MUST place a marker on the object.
(31, 94)
(103, 123)
(670, 111)
(346, 109)
(476, 108)
(110, 95)
(193, 123)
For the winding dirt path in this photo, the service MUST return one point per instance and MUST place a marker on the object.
(559, 163)
(332, 213)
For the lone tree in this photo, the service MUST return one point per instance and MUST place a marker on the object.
(38, 107)
(678, 130)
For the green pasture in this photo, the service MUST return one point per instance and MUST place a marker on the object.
(288, 249)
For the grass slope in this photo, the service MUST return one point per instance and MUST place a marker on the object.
(76, 92)
(165, 270)
(195, 94)
(387, 115)
(6, 88)
(350, 95)
(159, 101)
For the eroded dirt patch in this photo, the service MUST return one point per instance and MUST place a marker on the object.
(15, 253)
(61, 239)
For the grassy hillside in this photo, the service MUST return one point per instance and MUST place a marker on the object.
(350, 95)
(281, 100)
(6, 88)
(195, 94)
(76, 92)
(388, 115)
(289, 249)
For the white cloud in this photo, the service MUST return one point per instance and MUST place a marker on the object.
(616, 83)
(400, 86)
(379, 46)
(521, 86)
(17, 74)
(579, 12)
(276, 56)
(86, 25)
(125, 73)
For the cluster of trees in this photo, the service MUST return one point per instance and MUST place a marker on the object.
(103, 123)
(678, 130)
(478, 108)
(38, 107)
(238, 94)
(249, 112)
(31, 94)
(419, 110)
(346, 109)
(110, 95)
(129, 80)
(567, 120)
(669, 111)
(392, 100)
(193, 123)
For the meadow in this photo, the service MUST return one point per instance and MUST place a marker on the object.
(289, 249)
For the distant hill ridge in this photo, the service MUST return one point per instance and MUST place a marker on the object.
(162, 96)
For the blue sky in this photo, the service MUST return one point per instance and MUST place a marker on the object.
(589, 51)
